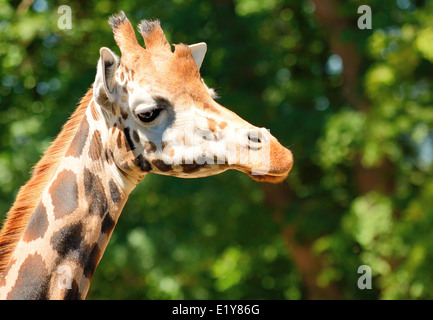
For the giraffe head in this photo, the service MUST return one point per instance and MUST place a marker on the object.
(162, 118)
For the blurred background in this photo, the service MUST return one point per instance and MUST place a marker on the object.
(355, 107)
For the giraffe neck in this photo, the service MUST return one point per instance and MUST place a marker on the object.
(72, 224)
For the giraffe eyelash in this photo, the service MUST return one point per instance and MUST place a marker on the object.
(149, 115)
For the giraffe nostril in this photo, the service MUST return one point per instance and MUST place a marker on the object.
(255, 137)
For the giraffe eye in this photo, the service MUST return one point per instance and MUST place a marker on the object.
(149, 115)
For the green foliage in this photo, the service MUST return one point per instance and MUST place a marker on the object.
(272, 63)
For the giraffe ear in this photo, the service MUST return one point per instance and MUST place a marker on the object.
(105, 81)
(198, 51)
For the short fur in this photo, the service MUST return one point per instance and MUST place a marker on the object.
(30, 194)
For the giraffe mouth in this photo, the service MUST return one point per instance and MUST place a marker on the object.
(269, 178)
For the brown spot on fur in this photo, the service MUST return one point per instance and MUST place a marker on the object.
(160, 165)
(123, 113)
(210, 107)
(38, 224)
(108, 224)
(125, 90)
(122, 77)
(64, 194)
(33, 280)
(93, 111)
(142, 163)
(223, 124)
(108, 157)
(211, 124)
(95, 147)
(136, 136)
(128, 142)
(95, 194)
(190, 168)
(124, 99)
(92, 261)
(111, 155)
(79, 141)
(68, 240)
(114, 128)
(149, 147)
(114, 191)
(119, 139)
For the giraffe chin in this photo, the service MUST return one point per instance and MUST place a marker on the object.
(269, 178)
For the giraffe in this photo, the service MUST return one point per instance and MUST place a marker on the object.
(147, 112)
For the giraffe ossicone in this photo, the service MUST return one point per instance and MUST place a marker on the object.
(148, 111)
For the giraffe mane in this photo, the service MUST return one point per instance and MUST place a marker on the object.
(29, 195)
